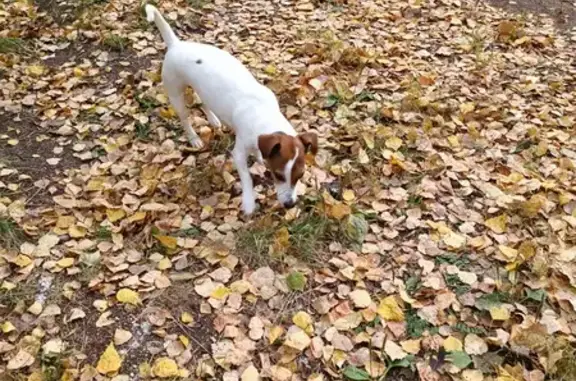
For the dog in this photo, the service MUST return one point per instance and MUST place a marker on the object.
(231, 94)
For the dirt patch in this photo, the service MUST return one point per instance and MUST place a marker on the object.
(65, 12)
(26, 147)
(180, 298)
(563, 12)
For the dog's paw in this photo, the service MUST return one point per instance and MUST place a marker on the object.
(248, 206)
(196, 142)
(214, 121)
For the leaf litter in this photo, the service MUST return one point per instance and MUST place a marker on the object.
(434, 239)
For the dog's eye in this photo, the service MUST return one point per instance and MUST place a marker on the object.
(279, 176)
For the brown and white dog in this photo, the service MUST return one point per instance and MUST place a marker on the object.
(231, 94)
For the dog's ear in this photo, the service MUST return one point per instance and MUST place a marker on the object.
(269, 145)
(310, 141)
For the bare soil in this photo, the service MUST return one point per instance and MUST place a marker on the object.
(562, 11)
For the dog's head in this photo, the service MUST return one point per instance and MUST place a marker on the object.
(285, 156)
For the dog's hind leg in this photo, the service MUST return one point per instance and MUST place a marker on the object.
(212, 118)
(178, 101)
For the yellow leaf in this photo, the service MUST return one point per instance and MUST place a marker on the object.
(95, 184)
(411, 346)
(454, 240)
(128, 296)
(270, 69)
(510, 374)
(497, 224)
(466, 108)
(390, 310)
(274, 333)
(167, 113)
(282, 238)
(12, 142)
(64, 222)
(184, 340)
(338, 211)
(7, 327)
(452, 344)
(186, 318)
(526, 250)
(393, 143)
(22, 260)
(167, 241)
(500, 313)
(348, 195)
(220, 292)
(35, 70)
(164, 368)
(532, 207)
(164, 264)
(109, 361)
(8, 285)
(304, 321)
(76, 231)
(65, 262)
(541, 149)
(509, 254)
(138, 216)
(454, 141)
(115, 214)
(144, 370)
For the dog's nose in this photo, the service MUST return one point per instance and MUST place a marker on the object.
(289, 204)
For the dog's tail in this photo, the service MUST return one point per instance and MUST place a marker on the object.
(153, 14)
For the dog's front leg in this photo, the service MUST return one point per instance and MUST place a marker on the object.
(241, 161)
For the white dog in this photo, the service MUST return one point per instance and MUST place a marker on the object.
(231, 94)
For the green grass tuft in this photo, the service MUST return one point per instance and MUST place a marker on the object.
(115, 43)
(11, 235)
(12, 45)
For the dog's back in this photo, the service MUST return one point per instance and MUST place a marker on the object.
(221, 81)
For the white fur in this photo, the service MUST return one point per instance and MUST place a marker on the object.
(285, 191)
(229, 94)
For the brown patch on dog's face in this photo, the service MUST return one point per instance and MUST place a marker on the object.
(285, 156)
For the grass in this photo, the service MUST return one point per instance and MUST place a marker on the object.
(143, 131)
(455, 284)
(416, 326)
(146, 102)
(11, 236)
(222, 145)
(197, 4)
(52, 366)
(103, 233)
(12, 45)
(115, 42)
(23, 294)
(306, 239)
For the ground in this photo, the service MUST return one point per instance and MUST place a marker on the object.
(434, 238)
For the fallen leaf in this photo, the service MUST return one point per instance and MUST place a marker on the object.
(498, 224)
(394, 351)
(361, 298)
(110, 361)
(390, 310)
(452, 344)
(128, 296)
(165, 367)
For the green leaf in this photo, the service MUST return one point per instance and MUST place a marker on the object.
(331, 101)
(353, 373)
(459, 359)
(296, 281)
(537, 295)
(404, 363)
